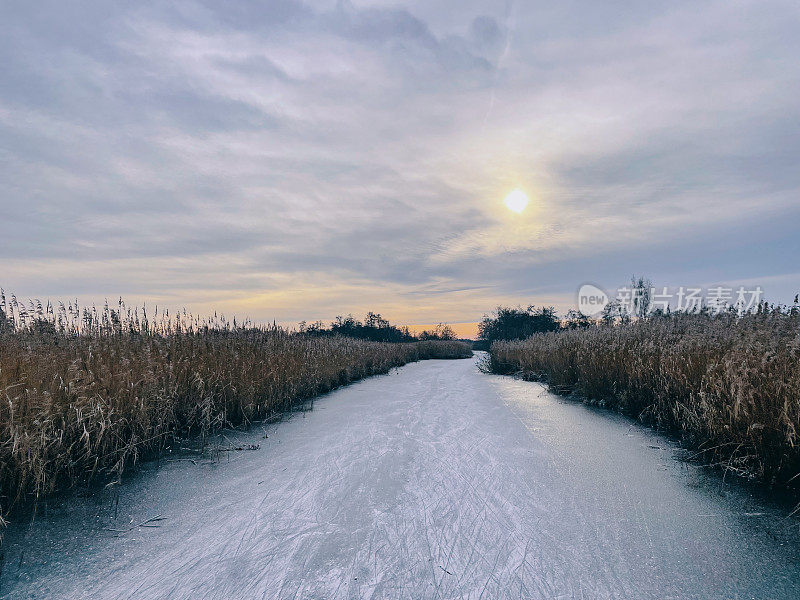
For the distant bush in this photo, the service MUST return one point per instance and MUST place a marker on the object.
(375, 328)
(440, 332)
(517, 323)
(729, 384)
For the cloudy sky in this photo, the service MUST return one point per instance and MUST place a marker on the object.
(297, 160)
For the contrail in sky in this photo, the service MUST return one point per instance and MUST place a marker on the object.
(510, 25)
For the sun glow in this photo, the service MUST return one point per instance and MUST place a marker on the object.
(516, 201)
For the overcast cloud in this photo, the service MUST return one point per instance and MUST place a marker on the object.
(294, 160)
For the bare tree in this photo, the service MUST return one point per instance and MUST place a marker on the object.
(642, 291)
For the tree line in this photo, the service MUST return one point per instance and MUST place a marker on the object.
(374, 328)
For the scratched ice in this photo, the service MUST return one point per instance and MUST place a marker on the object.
(435, 481)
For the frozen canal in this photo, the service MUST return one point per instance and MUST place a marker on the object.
(433, 482)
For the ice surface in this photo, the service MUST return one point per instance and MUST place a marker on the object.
(435, 481)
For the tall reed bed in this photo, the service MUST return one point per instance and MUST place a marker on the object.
(729, 385)
(85, 393)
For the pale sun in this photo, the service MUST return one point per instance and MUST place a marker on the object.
(517, 201)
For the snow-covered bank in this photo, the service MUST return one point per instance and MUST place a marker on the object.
(433, 482)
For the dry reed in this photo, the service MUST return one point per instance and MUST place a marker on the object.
(86, 393)
(729, 385)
